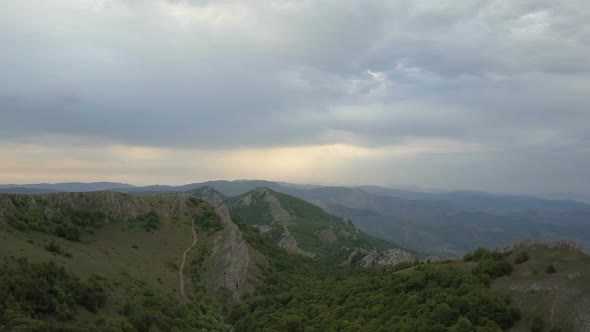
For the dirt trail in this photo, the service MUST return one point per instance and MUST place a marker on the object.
(180, 271)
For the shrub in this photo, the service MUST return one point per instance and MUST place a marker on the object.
(521, 257)
(208, 221)
(550, 269)
(150, 221)
(468, 257)
(537, 325)
(480, 253)
(492, 267)
(53, 247)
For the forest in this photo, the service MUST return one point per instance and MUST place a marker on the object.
(294, 293)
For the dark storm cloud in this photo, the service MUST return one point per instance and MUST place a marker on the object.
(230, 74)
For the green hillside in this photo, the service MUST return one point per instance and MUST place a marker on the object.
(128, 248)
(105, 261)
(299, 226)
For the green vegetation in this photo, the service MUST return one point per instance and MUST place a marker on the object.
(152, 312)
(30, 292)
(55, 248)
(122, 278)
(141, 289)
(315, 230)
(490, 265)
(521, 257)
(67, 223)
(207, 220)
(44, 297)
(300, 294)
(149, 221)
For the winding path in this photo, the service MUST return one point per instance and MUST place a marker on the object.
(180, 271)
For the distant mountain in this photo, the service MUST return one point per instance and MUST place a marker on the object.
(227, 188)
(71, 186)
(446, 228)
(580, 197)
(25, 191)
(483, 201)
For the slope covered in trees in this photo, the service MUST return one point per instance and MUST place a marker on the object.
(122, 275)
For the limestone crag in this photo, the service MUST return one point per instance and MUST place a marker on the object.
(560, 244)
(234, 258)
(111, 203)
(289, 243)
(388, 257)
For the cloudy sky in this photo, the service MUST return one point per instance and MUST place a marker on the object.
(491, 94)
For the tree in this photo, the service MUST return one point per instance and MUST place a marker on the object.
(462, 325)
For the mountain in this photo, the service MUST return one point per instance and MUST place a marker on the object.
(447, 229)
(441, 223)
(25, 191)
(199, 261)
(500, 204)
(209, 194)
(298, 226)
(128, 252)
(70, 186)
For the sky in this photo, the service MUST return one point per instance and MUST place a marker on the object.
(473, 94)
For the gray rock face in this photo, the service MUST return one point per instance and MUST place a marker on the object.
(561, 244)
(234, 258)
(389, 257)
(111, 203)
(289, 243)
(575, 275)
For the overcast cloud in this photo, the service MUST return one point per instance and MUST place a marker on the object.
(489, 95)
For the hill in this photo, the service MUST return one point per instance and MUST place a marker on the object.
(300, 227)
(132, 247)
(107, 261)
(550, 287)
(447, 229)
(445, 224)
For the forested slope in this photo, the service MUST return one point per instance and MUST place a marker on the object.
(111, 262)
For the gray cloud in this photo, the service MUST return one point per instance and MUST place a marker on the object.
(507, 76)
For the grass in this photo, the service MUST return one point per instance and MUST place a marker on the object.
(123, 253)
(560, 299)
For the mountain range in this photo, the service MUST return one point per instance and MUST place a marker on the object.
(261, 260)
(445, 224)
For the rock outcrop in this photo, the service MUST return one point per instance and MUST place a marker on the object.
(233, 260)
(111, 203)
(560, 244)
(388, 257)
(289, 243)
